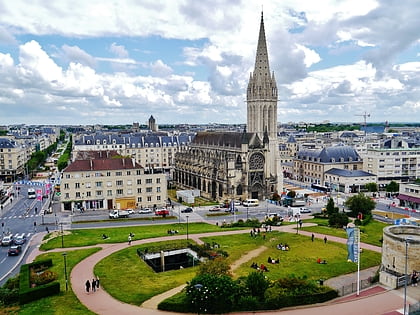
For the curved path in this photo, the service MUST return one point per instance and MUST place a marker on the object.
(102, 303)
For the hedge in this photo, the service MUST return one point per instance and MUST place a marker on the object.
(28, 294)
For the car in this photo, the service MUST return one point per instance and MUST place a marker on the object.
(237, 203)
(216, 208)
(7, 240)
(304, 210)
(145, 211)
(20, 239)
(130, 211)
(187, 210)
(14, 250)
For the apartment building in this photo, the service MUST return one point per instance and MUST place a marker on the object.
(152, 150)
(12, 160)
(400, 164)
(111, 183)
(409, 195)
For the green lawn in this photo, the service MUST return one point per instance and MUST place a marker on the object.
(128, 278)
(125, 276)
(370, 234)
(66, 302)
(86, 237)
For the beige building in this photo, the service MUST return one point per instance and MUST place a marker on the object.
(310, 165)
(111, 183)
(152, 150)
(347, 181)
(409, 196)
(396, 164)
(12, 160)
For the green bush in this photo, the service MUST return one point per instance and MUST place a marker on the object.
(248, 303)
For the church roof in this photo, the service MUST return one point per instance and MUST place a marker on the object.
(226, 139)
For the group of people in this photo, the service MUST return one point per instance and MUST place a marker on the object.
(273, 261)
(172, 232)
(92, 285)
(414, 278)
(255, 232)
(319, 261)
(262, 267)
(282, 246)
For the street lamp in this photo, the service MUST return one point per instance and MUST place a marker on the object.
(65, 269)
(62, 235)
(187, 226)
(407, 240)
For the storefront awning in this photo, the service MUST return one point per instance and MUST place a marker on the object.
(408, 198)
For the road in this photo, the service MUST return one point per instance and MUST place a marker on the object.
(21, 215)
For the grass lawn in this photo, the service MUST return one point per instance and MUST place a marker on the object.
(65, 302)
(86, 237)
(370, 233)
(299, 261)
(128, 278)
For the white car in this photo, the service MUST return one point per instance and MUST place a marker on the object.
(130, 211)
(305, 210)
(7, 240)
(145, 211)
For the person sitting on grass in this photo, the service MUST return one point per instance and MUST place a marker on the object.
(104, 236)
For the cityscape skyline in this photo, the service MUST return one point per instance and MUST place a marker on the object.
(99, 63)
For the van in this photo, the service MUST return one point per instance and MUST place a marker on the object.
(250, 203)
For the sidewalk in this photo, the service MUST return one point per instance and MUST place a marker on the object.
(371, 302)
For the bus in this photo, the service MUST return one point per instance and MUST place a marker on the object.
(31, 193)
(250, 203)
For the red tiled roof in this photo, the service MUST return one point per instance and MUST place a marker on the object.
(102, 165)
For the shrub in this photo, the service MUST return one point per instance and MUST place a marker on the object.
(256, 283)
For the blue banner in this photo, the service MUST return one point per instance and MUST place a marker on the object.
(350, 245)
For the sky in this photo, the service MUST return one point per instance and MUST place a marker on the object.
(186, 61)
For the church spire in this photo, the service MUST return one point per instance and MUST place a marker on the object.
(262, 68)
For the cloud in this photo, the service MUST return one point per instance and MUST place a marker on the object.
(76, 54)
(118, 50)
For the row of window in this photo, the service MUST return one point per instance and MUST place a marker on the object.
(109, 183)
(118, 192)
(139, 199)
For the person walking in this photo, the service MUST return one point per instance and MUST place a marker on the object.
(312, 237)
(97, 282)
(325, 239)
(129, 239)
(93, 285)
(87, 284)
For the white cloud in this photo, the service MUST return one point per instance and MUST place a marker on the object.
(119, 50)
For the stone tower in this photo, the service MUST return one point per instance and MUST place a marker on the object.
(152, 124)
(262, 106)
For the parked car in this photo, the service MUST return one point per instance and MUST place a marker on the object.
(187, 210)
(20, 239)
(237, 203)
(7, 240)
(14, 250)
(130, 211)
(216, 208)
(163, 212)
(145, 211)
(305, 210)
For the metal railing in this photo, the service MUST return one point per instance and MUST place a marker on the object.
(351, 288)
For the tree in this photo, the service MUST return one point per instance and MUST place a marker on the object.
(338, 220)
(218, 266)
(392, 187)
(360, 204)
(213, 294)
(372, 187)
(257, 284)
(331, 208)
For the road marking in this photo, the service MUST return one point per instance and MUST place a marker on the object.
(2, 260)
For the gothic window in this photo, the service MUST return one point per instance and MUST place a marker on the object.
(256, 161)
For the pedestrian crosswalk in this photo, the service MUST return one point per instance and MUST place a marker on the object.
(20, 216)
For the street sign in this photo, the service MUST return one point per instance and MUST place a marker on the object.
(58, 194)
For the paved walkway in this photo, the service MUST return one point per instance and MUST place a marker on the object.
(372, 301)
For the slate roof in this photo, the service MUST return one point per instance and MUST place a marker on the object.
(227, 139)
(102, 165)
(6, 143)
(291, 139)
(339, 153)
(348, 173)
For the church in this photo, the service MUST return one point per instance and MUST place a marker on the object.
(238, 165)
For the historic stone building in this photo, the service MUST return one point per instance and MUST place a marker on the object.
(240, 165)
